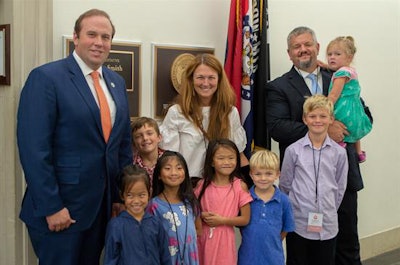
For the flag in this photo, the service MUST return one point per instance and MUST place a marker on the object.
(261, 137)
(247, 65)
(233, 55)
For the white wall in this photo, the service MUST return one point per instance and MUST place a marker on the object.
(186, 22)
(374, 25)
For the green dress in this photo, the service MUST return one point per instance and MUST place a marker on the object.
(348, 107)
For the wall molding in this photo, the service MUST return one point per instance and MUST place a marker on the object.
(380, 243)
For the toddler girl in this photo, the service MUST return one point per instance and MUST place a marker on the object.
(344, 91)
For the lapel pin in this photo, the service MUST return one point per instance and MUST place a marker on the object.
(112, 84)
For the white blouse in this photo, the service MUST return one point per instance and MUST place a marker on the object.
(181, 135)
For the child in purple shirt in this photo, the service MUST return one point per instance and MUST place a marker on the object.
(314, 175)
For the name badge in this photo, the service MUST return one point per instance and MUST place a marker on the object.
(314, 222)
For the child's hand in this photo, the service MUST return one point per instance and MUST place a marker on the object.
(212, 219)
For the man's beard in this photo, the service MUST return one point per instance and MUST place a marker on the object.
(305, 64)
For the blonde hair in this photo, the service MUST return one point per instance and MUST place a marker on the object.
(264, 159)
(346, 42)
(315, 102)
(221, 104)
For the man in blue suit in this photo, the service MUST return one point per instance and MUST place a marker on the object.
(70, 167)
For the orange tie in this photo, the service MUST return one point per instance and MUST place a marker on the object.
(104, 108)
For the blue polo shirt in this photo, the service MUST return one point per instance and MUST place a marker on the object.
(261, 238)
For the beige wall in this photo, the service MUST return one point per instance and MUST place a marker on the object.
(31, 45)
(8, 199)
(375, 25)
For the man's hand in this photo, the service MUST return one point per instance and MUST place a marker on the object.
(337, 131)
(60, 220)
(322, 64)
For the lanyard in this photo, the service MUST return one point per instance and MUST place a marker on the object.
(181, 254)
(316, 170)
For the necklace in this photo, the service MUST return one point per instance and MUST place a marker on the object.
(181, 254)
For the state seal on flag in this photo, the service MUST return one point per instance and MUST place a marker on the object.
(178, 68)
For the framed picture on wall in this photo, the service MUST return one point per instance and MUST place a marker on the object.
(169, 62)
(124, 58)
(5, 55)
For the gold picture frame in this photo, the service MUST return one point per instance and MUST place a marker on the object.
(5, 55)
(125, 59)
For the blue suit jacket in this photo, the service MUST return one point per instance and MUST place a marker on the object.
(62, 150)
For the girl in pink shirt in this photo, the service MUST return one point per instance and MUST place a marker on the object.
(225, 203)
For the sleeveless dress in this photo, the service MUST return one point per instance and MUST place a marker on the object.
(348, 107)
(184, 223)
(217, 244)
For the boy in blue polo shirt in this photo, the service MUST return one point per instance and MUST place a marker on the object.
(271, 214)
